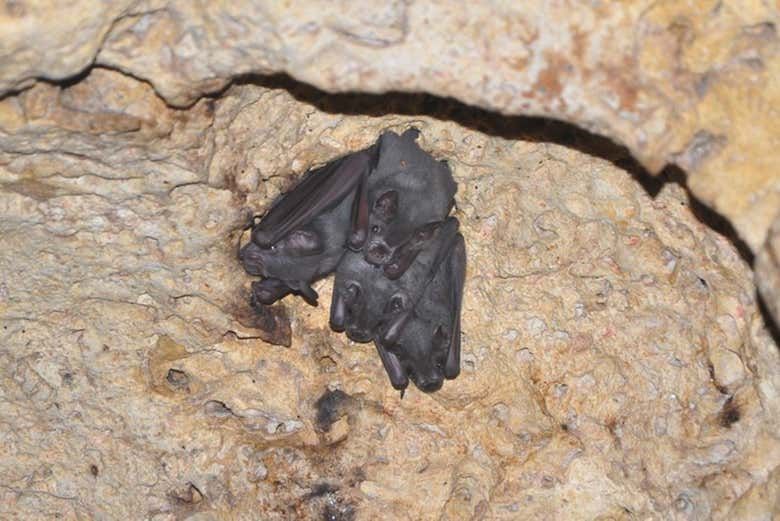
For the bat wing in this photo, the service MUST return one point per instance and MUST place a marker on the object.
(405, 255)
(320, 190)
(439, 309)
(456, 273)
(393, 367)
(447, 238)
(360, 216)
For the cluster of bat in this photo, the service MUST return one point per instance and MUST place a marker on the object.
(379, 219)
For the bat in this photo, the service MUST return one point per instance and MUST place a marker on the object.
(407, 191)
(364, 298)
(378, 218)
(423, 343)
(305, 233)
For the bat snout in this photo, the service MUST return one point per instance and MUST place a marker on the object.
(427, 384)
(378, 254)
(360, 335)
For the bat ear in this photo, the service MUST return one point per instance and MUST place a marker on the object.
(303, 242)
(393, 331)
(439, 339)
(396, 304)
(398, 377)
(386, 207)
(457, 265)
(338, 312)
(412, 133)
(443, 344)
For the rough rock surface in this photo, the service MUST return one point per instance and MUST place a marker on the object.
(615, 363)
(691, 83)
(768, 270)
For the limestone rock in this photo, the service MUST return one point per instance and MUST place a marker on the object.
(615, 362)
(768, 269)
(691, 83)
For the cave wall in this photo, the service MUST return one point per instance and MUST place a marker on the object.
(616, 362)
(694, 84)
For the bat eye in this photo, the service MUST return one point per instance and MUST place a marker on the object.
(387, 205)
(352, 293)
(396, 304)
(376, 229)
(273, 248)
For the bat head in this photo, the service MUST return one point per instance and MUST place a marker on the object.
(360, 298)
(383, 215)
(280, 258)
(422, 348)
(409, 189)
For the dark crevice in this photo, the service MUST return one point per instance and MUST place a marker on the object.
(14, 92)
(708, 216)
(526, 128)
(771, 325)
(70, 81)
(65, 83)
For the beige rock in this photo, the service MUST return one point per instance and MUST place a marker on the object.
(768, 270)
(691, 83)
(53, 40)
(615, 361)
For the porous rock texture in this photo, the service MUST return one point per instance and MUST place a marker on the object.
(615, 362)
(694, 83)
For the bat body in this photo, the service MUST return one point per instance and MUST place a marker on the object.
(423, 344)
(378, 218)
(407, 191)
(364, 298)
(304, 235)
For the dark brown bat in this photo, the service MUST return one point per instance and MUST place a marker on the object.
(423, 343)
(401, 282)
(407, 191)
(364, 298)
(304, 235)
